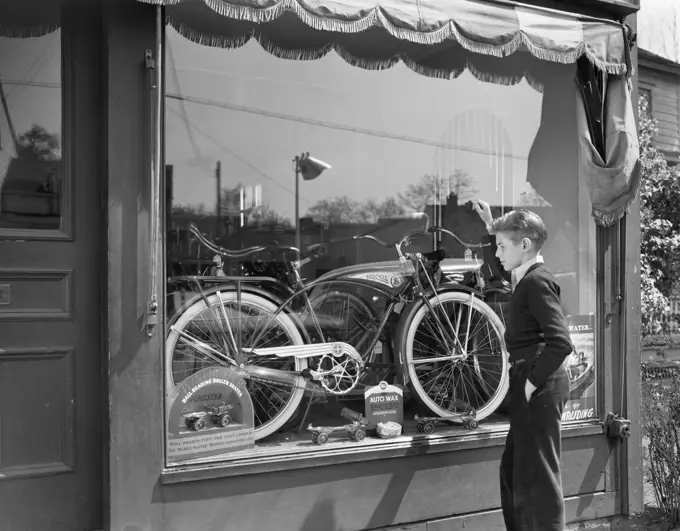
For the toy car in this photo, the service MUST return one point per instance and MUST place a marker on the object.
(426, 424)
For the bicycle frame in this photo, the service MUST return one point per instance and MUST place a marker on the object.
(286, 293)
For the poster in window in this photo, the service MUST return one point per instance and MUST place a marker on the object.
(581, 367)
(210, 413)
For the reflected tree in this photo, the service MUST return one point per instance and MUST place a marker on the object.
(340, 209)
(429, 190)
(39, 144)
(266, 215)
(531, 198)
(435, 190)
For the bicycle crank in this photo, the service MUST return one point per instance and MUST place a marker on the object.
(338, 370)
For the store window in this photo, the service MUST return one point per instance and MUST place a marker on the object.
(273, 162)
(30, 133)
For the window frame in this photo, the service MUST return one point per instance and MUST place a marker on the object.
(250, 464)
(65, 232)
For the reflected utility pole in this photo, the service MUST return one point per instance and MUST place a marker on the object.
(218, 179)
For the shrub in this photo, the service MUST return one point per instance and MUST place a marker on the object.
(661, 431)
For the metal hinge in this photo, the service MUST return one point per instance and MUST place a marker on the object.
(149, 61)
(614, 307)
(616, 427)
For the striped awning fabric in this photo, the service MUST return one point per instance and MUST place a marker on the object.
(423, 33)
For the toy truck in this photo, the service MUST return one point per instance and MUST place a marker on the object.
(218, 415)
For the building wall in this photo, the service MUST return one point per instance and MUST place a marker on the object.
(443, 485)
(664, 88)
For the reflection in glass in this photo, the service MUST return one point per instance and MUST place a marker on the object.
(30, 130)
(399, 144)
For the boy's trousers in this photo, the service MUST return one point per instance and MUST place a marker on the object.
(531, 483)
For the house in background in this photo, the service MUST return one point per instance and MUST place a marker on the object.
(659, 70)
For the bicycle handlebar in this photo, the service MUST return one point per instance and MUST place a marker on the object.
(422, 232)
(316, 250)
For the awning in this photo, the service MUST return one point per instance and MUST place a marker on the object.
(439, 38)
(29, 18)
(496, 40)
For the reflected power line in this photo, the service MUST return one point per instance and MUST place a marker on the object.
(237, 157)
(331, 125)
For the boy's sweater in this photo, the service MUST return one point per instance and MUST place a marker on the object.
(537, 325)
(536, 322)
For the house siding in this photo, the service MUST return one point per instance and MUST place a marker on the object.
(665, 90)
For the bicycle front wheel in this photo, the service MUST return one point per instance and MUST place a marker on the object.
(455, 355)
(199, 337)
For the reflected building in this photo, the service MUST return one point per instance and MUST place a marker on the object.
(30, 182)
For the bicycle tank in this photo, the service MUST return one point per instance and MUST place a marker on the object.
(390, 275)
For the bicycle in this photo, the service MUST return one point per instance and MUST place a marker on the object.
(239, 324)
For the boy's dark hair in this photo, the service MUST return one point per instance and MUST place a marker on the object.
(520, 224)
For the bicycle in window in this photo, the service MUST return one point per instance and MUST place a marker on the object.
(446, 343)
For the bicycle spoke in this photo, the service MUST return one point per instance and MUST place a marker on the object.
(457, 381)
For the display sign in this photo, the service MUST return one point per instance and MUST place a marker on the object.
(582, 368)
(384, 403)
(210, 413)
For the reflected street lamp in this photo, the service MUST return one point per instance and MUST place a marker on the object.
(310, 168)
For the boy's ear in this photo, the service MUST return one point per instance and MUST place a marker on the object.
(526, 244)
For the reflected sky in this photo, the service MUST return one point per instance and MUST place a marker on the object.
(380, 130)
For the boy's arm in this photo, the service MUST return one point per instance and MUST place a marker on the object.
(490, 259)
(543, 296)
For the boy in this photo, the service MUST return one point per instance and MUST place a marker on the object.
(538, 342)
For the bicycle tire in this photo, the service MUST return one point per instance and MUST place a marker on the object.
(257, 302)
(499, 354)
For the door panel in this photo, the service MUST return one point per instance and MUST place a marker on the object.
(51, 346)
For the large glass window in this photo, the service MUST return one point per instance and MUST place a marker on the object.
(273, 164)
(30, 133)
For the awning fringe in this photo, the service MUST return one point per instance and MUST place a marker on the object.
(377, 17)
(310, 54)
(27, 32)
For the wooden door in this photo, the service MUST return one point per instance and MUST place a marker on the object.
(51, 351)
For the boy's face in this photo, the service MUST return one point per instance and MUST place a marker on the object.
(511, 254)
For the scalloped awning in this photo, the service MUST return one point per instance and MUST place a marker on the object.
(423, 34)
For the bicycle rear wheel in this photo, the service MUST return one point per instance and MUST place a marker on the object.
(455, 355)
(200, 338)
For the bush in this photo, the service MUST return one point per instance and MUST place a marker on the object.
(661, 431)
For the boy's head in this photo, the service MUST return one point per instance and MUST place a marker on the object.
(520, 234)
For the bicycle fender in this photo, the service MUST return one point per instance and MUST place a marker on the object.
(454, 286)
(247, 287)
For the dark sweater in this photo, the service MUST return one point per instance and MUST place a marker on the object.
(536, 324)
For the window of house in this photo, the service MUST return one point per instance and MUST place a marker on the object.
(646, 99)
(267, 156)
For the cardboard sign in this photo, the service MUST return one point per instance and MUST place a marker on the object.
(210, 413)
(582, 370)
(384, 403)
